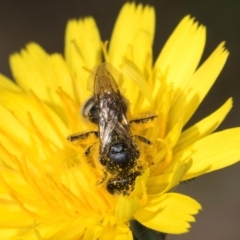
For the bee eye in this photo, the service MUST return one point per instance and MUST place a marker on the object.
(91, 111)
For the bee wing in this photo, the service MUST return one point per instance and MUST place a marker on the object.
(111, 107)
(104, 82)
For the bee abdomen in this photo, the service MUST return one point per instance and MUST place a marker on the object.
(121, 184)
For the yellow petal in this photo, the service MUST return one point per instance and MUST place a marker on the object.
(13, 219)
(61, 230)
(218, 150)
(8, 123)
(25, 107)
(140, 182)
(173, 135)
(34, 69)
(130, 51)
(82, 41)
(125, 208)
(8, 233)
(60, 75)
(199, 85)
(25, 68)
(203, 127)
(82, 51)
(130, 70)
(134, 25)
(6, 83)
(181, 54)
(166, 182)
(173, 215)
(119, 232)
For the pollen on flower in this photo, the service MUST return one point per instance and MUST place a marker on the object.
(46, 191)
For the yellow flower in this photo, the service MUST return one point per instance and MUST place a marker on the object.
(48, 188)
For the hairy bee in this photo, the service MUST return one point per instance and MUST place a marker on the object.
(118, 151)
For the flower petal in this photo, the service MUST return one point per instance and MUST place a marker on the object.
(130, 70)
(8, 233)
(82, 51)
(165, 182)
(24, 106)
(199, 85)
(133, 28)
(173, 214)
(6, 83)
(181, 54)
(25, 68)
(203, 127)
(218, 150)
(82, 42)
(34, 69)
(8, 123)
(174, 134)
(11, 218)
(118, 232)
(125, 208)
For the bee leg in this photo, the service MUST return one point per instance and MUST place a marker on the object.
(81, 137)
(148, 152)
(85, 142)
(143, 139)
(142, 123)
(88, 151)
(143, 120)
(103, 179)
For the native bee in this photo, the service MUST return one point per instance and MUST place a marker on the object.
(118, 151)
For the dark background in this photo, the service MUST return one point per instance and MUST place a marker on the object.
(44, 22)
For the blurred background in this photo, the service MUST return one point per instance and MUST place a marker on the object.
(44, 22)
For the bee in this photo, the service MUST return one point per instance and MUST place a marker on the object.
(118, 151)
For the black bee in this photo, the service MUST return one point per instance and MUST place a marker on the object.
(118, 151)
